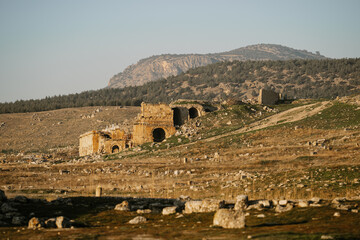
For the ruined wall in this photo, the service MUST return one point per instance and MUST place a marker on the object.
(155, 113)
(118, 134)
(89, 143)
(119, 138)
(97, 142)
(152, 117)
(268, 97)
(188, 109)
(155, 123)
(111, 145)
(180, 115)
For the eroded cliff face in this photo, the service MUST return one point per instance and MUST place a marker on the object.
(157, 67)
(162, 66)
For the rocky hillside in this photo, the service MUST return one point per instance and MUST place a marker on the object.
(162, 66)
(219, 81)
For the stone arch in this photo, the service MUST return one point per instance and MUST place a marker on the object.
(177, 116)
(115, 149)
(158, 135)
(193, 112)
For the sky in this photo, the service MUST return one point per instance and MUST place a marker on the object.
(55, 47)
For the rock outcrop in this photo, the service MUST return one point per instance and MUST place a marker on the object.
(162, 66)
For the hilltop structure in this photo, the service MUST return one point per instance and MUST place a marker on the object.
(155, 123)
(268, 97)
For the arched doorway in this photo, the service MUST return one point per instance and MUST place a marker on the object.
(158, 135)
(115, 149)
(177, 117)
(193, 112)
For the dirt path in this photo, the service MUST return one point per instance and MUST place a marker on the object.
(291, 115)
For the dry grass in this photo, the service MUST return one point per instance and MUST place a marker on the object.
(42, 131)
(273, 156)
(273, 160)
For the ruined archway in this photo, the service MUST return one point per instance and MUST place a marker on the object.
(177, 117)
(115, 149)
(193, 112)
(158, 135)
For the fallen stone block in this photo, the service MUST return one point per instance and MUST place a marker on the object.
(124, 206)
(137, 220)
(35, 223)
(241, 202)
(228, 218)
(206, 205)
(141, 211)
(281, 209)
(169, 210)
(63, 222)
(303, 203)
(192, 206)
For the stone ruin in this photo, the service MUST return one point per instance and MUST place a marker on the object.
(268, 97)
(155, 123)
(111, 141)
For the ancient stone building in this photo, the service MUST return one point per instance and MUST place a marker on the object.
(184, 110)
(155, 123)
(268, 97)
(99, 142)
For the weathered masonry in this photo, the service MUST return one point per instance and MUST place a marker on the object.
(155, 123)
(183, 110)
(268, 97)
(104, 142)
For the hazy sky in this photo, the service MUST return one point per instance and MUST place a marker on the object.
(52, 47)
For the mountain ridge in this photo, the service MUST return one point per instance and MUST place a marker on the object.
(165, 65)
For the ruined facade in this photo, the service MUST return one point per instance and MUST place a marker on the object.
(97, 142)
(183, 110)
(155, 123)
(268, 97)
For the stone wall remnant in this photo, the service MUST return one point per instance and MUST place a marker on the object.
(155, 123)
(268, 97)
(98, 142)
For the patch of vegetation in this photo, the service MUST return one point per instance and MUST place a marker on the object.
(284, 76)
(339, 115)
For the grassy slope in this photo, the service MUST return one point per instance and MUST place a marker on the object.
(316, 156)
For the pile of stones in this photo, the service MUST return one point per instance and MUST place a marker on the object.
(11, 216)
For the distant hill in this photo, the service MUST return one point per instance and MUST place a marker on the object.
(326, 78)
(162, 66)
